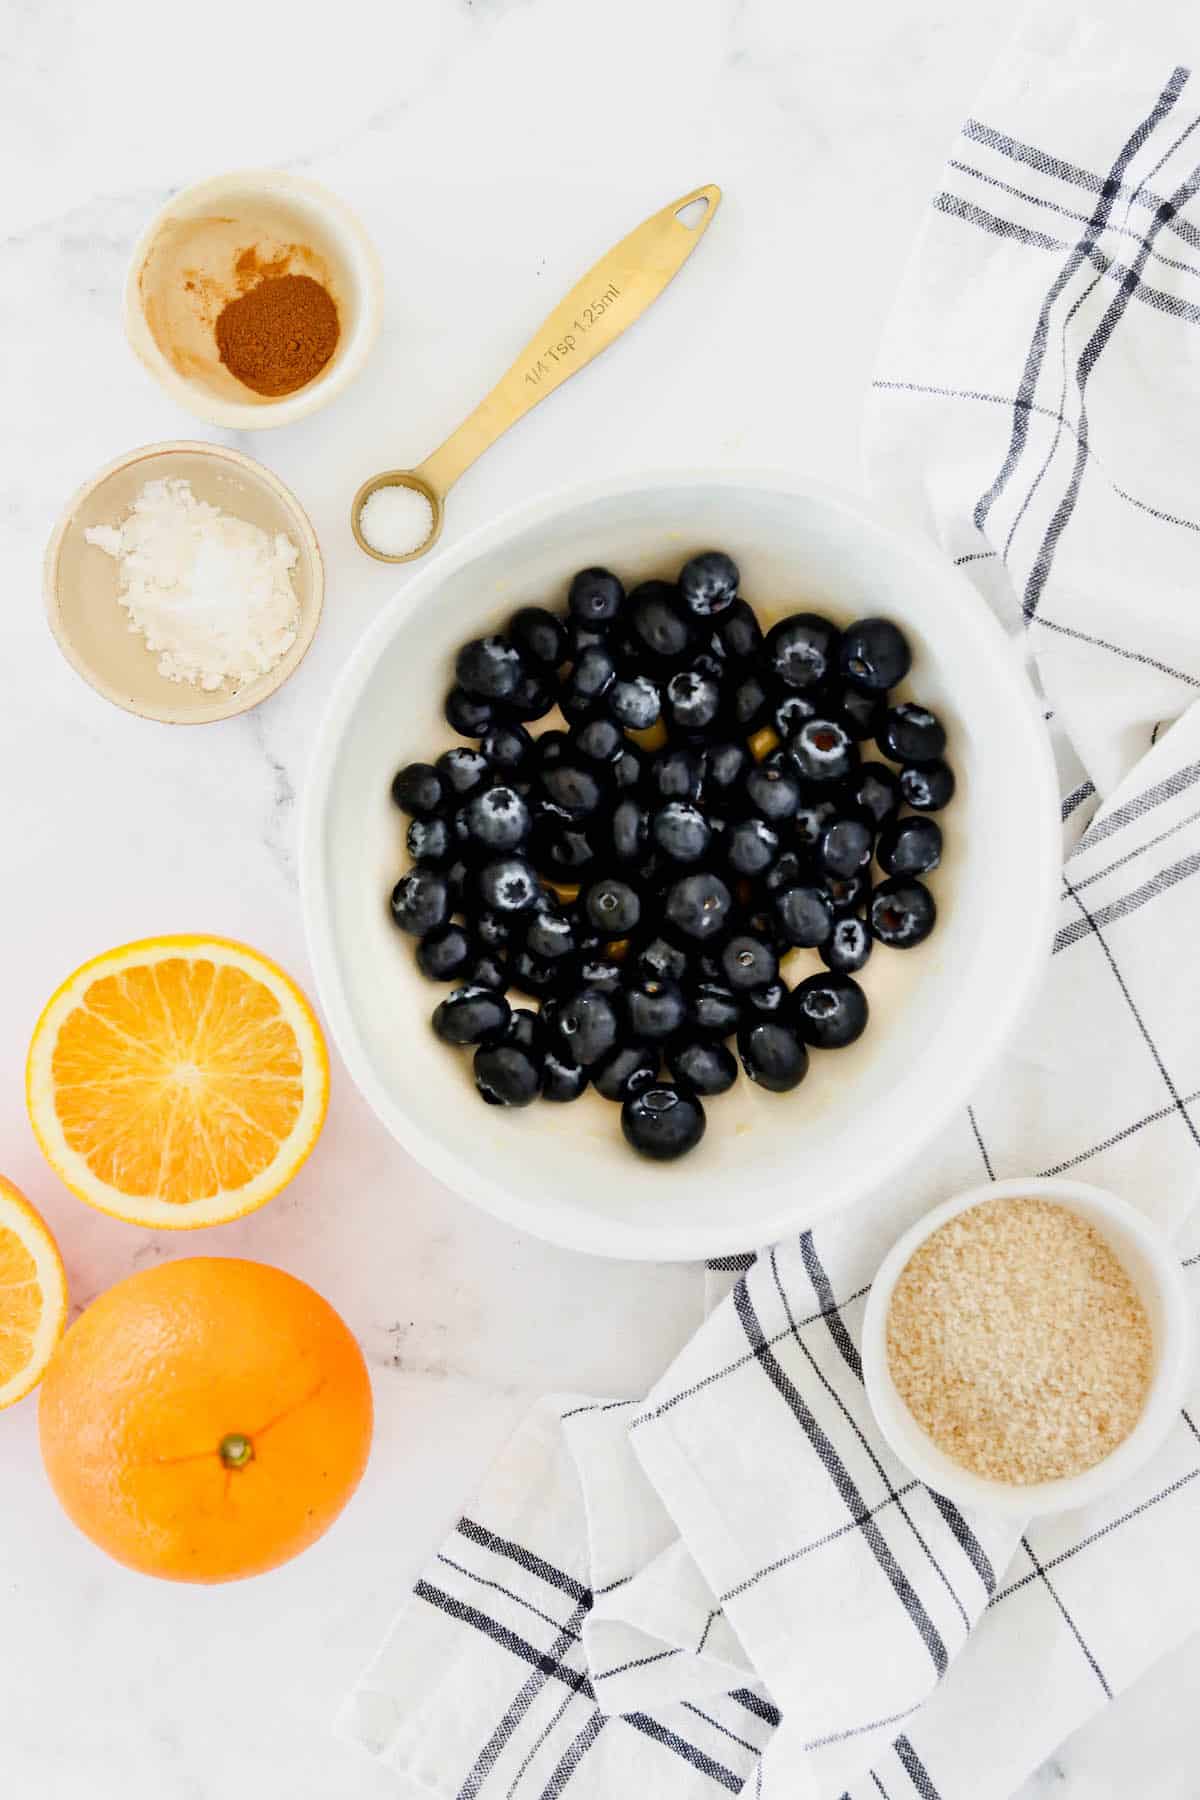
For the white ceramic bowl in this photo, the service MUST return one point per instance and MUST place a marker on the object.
(183, 270)
(769, 1164)
(1157, 1275)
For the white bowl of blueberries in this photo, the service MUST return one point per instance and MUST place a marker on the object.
(677, 858)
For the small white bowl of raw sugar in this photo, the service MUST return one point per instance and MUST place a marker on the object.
(184, 583)
(1027, 1346)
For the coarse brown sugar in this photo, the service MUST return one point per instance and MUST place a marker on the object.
(1017, 1340)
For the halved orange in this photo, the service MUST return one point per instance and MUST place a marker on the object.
(33, 1295)
(177, 1082)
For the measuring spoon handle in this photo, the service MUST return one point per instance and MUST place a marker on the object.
(613, 293)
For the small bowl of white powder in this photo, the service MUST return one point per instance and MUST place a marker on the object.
(184, 583)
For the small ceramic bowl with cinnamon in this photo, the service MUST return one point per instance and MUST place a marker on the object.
(254, 298)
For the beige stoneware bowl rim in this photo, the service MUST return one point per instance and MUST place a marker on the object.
(256, 692)
(1122, 1224)
(261, 415)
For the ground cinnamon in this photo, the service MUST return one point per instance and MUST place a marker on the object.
(279, 335)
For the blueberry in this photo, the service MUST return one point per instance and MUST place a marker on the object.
(629, 769)
(472, 1015)
(655, 1009)
(747, 962)
(902, 913)
(693, 700)
(681, 832)
(773, 793)
(539, 637)
(550, 934)
(562, 1079)
(539, 976)
(708, 583)
(444, 953)
(749, 705)
(928, 789)
(611, 907)
(662, 1123)
(595, 596)
(497, 819)
(533, 697)
(767, 1001)
(634, 702)
(468, 715)
(874, 654)
(811, 820)
(587, 1024)
(677, 775)
(793, 869)
(550, 749)
(849, 947)
(624, 1071)
(658, 624)
(581, 636)
(794, 710)
(507, 1075)
(751, 847)
(801, 652)
(597, 970)
(912, 734)
(738, 632)
(910, 846)
(509, 885)
(844, 846)
(430, 841)
(847, 893)
(725, 767)
(861, 713)
(589, 681)
(578, 789)
(875, 790)
(567, 852)
(661, 960)
(699, 906)
(630, 831)
(489, 668)
(508, 747)
(418, 789)
(420, 901)
(772, 1055)
(805, 914)
(829, 1011)
(486, 969)
(714, 1010)
(464, 771)
(824, 751)
(703, 1065)
(493, 929)
(599, 740)
(525, 1028)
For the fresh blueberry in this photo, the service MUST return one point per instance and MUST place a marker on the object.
(582, 636)
(708, 583)
(772, 1055)
(912, 734)
(725, 767)
(595, 596)
(823, 751)
(805, 915)
(629, 769)
(509, 886)
(677, 775)
(444, 953)
(550, 749)
(874, 654)
(418, 790)
(693, 700)
(655, 1009)
(599, 740)
(420, 901)
(634, 702)
(550, 934)
(681, 832)
(472, 1015)
(630, 831)
(738, 633)
(703, 1065)
(772, 792)
(829, 1011)
(464, 771)
(487, 969)
(662, 1123)
(801, 652)
(497, 819)
(508, 747)
(847, 893)
(715, 1010)
(587, 1024)
(749, 704)
(493, 929)
(794, 710)
(569, 851)
(661, 960)
(751, 847)
(811, 820)
(747, 963)
(562, 1079)
(489, 668)
(928, 789)
(432, 842)
(902, 913)
(467, 714)
(624, 1071)
(507, 1075)
(539, 976)
(860, 712)
(589, 681)
(658, 623)
(577, 788)
(792, 869)
(526, 1029)
(849, 947)
(767, 1001)
(910, 846)
(844, 846)
(539, 636)
(699, 906)
(533, 697)
(597, 970)
(874, 790)
(611, 907)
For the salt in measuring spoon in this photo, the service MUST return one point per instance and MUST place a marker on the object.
(615, 292)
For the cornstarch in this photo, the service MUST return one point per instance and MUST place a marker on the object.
(211, 593)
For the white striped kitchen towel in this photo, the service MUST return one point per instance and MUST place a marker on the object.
(732, 1583)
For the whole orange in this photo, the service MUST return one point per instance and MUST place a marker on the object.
(206, 1419)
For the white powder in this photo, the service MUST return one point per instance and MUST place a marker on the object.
(211, 593)
(395, 520)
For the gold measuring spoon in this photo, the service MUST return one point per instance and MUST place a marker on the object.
(596, 311)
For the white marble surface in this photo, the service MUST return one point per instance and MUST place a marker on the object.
(493, 148)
